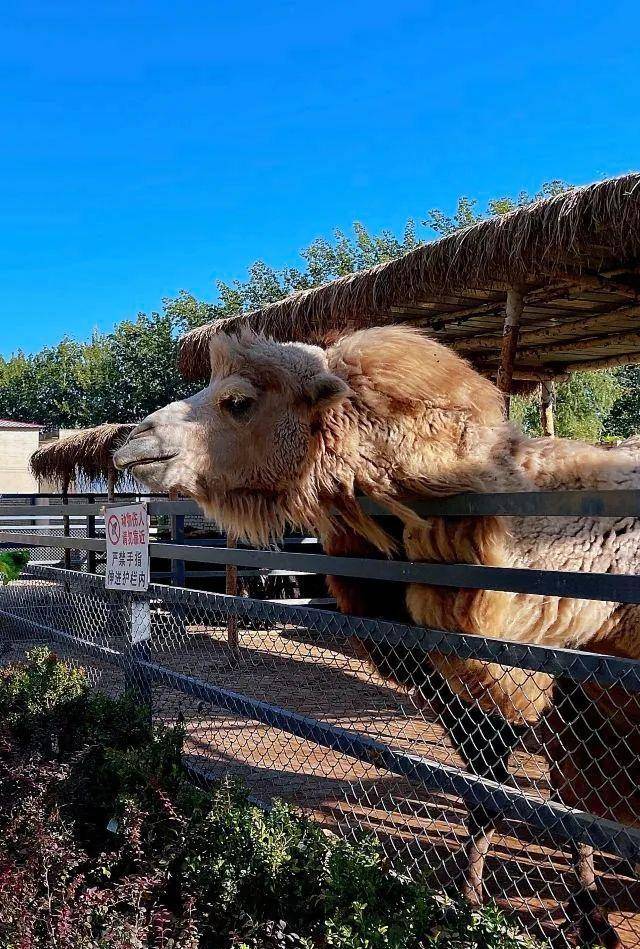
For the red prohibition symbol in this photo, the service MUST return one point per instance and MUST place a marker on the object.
(114, 529)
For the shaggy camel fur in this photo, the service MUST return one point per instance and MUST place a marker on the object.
(289, 433)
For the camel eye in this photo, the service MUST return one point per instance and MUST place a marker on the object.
(238, 406)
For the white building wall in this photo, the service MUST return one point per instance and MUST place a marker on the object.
(16, 448)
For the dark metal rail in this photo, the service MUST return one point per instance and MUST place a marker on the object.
(517, 503)
(618, 588)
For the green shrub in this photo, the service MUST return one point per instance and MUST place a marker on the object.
(109, 845)
(41, 692)
(12, 563)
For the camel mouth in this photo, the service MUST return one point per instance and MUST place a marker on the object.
(144, 462)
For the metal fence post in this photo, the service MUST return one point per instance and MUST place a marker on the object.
(91, 532)
(138, 648)
(66, 527)
(178, 572)
(231, 589)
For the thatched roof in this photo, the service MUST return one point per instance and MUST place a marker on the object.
(576, 257)
(87, 452)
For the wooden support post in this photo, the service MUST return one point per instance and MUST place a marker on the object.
(547, 398)
(510, 334)
(231, 589)
(111, 486)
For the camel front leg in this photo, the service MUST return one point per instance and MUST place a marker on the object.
(585, 914)
(482, 828)
(485, 743)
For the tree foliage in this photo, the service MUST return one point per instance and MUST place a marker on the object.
(115, 377)
(583, 406)
(466, 213)
(624, 418)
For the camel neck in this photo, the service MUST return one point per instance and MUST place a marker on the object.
(393, 461)
(426, 452)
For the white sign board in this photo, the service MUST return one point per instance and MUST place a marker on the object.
(127, 529)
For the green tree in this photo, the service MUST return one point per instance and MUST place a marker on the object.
(138, 369)
(323, 261)
(46, 387)
(116, 377)
(583, 405)
(624, 418)
(466, 213)
(187, 312)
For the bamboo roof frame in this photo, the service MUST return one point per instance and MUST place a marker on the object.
(567, 267)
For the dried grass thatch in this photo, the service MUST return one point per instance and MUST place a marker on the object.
(585, 230)
(87, 453)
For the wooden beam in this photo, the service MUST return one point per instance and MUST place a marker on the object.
(545, 334)
(569, 285)
(486, 308)
(539, 295)
(447, 317)
(511, 332)
(600, 281)
(525, 373)
(547, 398)
(458, 301)
(632, 340)
(609, 362)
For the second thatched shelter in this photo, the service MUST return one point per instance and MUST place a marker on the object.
(85, 453)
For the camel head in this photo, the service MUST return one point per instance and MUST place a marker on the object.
(285, 431)
(249, 437)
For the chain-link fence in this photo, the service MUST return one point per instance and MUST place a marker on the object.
(295, 708)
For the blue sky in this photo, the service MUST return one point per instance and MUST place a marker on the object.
(152, 146)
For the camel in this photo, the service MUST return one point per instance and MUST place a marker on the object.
(287, 433)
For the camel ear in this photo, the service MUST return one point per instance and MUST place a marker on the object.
(326, 390)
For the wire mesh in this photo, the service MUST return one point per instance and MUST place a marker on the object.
(305, 708)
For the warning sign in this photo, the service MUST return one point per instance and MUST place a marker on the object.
(127, 529)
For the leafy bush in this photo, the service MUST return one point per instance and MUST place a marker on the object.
(12, 563)
(109, 845)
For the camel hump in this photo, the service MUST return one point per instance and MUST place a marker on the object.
(404, 365)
